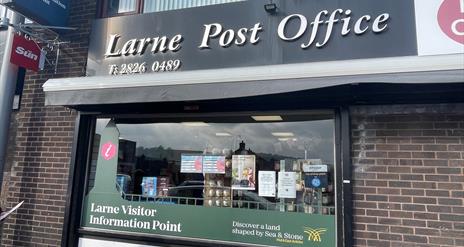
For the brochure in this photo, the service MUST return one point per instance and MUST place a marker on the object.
(287, 185)
(243, 172)
(267, 183)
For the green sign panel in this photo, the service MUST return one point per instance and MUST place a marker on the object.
(106, 209)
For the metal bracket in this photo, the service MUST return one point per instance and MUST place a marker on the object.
(42, 35)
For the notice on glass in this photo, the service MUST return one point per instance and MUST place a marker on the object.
(214, 164)
(287, 185)
(149, 186)
(243, 172)
(191, 163)
(267, 183)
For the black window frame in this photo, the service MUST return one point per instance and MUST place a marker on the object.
(103, 9)
(80, 165)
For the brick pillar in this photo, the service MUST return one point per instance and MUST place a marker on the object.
(40, 147)
(408, 166)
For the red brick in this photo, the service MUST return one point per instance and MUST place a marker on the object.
(388, 191)
(378, 243)
(438, 193)
(448, 155)
(452, 217)
(455, 171)
(399, 155)
(386, 147)
(413, 207)
(427, 231)
(406, 199)
(442, 241)
(422, 140)
(399, 140)
(425, 216)
(421, 170)
(369, 235)
(450, 186)
(402, 230)
(439, 224)
(412, 192)
(456, 148)
(385, 236)
(415, 239)
(418, 223)
(424, 200)
(401, 214)
(411, 177)
(377, 228)
(410, 147)
(373, 212)
(423, 155)
(450, 201)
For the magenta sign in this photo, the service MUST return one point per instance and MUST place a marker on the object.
(451, 19)
(108, 151)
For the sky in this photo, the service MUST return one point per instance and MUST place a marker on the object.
(316, 137)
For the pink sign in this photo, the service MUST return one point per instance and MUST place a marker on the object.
(221, 165)
(451, 19)
(108, 150)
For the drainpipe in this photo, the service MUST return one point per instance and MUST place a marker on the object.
(8, 77)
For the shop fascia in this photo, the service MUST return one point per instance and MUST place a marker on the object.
(240, 37)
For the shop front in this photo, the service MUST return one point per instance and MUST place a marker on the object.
(229, 125)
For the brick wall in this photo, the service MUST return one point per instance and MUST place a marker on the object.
(408, 166)
(40, 145)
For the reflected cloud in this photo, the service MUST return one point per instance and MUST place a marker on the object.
(314, 137)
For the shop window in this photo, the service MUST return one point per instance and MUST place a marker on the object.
(124, 7)
(121, 7)
(163, 5)
(279, 164)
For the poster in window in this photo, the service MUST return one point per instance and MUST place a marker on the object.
(191, 163)
(287, 185)
(214, 164)
(243, 172)
(149, 185)
(267, 183)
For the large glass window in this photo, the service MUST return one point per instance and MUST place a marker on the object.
(223, 161)
(163, 5)
(252, 178)
(116, 7)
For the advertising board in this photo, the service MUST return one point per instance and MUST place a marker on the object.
(213, 37)
(45, 12)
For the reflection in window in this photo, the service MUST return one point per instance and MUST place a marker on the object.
(163, 5)
(284, 164)
(116, 7)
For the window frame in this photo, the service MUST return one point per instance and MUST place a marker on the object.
(301, 115)
(79, 171)
(104, 9)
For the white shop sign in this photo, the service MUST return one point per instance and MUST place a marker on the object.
(440, 26)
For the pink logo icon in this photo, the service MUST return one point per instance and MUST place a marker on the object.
(108, 150)
(451, 19)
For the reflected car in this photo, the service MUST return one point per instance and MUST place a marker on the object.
(249, 199)
(194, 192)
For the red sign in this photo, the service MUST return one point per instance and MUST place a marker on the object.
(108, 150)
(25, 53)
(451, 19)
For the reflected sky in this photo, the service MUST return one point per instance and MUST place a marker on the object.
(314, 137)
